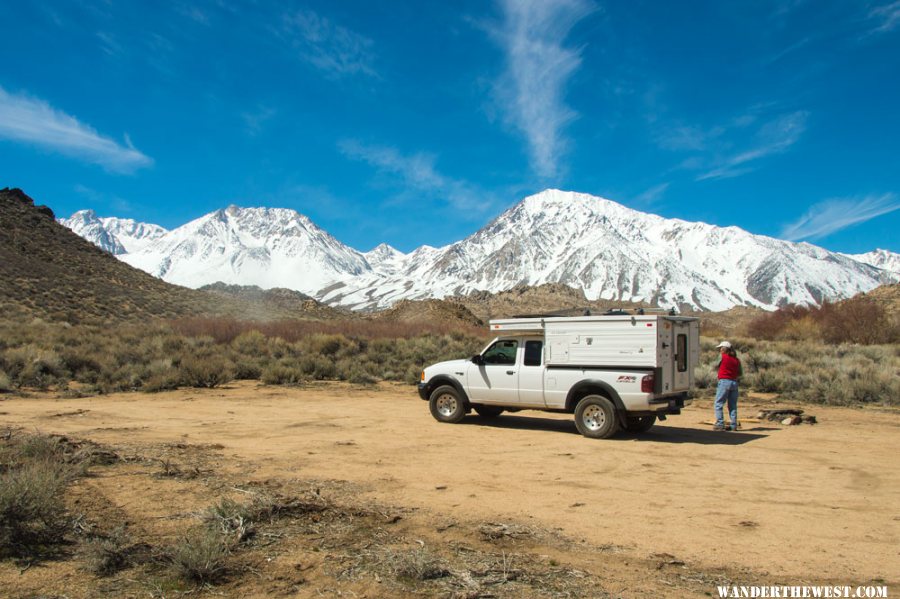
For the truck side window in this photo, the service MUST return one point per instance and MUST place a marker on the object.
(681, 352)
(533, 353)
(502, 352)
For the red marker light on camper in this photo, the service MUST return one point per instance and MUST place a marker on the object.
(649, 324)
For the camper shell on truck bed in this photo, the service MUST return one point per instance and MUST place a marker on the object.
(668, 345)
(613, 371)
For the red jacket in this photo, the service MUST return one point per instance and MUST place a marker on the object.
(729, 368)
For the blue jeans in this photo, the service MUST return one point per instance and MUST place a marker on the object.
(727, 391)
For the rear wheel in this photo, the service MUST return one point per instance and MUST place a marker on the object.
(446, 405)
(639, 424)
(595, 417)
(488, 411)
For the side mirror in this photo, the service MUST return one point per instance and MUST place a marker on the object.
(477, 359)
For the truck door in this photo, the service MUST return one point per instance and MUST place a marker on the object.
(496, 380)
(531, 374)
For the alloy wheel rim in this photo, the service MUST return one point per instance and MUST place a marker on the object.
(594, 418)
(446, 405)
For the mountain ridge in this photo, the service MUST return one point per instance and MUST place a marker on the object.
(608, 250)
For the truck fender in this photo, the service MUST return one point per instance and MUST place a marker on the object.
(442, 379)
(592, 387)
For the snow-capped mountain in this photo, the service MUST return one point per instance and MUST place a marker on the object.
(613, 252)
(385, 260)
(608, 250)
(115, 235)
(883, 259)
(267, 247)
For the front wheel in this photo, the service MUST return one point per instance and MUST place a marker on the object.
(595, 417)
(639, 424)
(446, 405)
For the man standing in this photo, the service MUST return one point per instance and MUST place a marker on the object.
(730, 370)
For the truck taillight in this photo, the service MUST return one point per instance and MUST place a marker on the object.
(647, 383)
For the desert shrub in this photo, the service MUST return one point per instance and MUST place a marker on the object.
(317, 367)
(282, 374)
(705, 377)
(34, 366)
(106, 555)
(199, 556)
(5, 383)
(163, 381)
(764, 381)
(77, 361)
(32, 512)
(251, 343)
(34, 473)
(329, 345)
(231, 519)
(247, 368)
(805, 328)
(756, 360)
(358, 376)
(412, 375)
(207, 371)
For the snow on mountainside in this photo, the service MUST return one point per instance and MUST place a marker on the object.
(267, 247)
(608, 250)
(613, 252)
(385, 260)
(884, 259)
(115, 235)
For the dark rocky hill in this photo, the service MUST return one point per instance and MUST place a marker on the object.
(49, 272)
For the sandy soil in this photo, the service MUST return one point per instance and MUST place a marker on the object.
(803, 504)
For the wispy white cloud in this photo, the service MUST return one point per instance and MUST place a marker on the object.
(33, 121)
(330, 47)
(651, 196)
(836, 214)
(774, 137)
(256, 119)
(538, 67)
(418, 173)
(886, 17)
(687, 137)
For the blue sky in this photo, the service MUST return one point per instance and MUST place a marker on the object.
(418, 122)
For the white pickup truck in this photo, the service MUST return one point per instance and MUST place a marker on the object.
(620, 371)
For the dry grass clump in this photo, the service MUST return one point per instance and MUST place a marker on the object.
(200, 555)
(418, 564)
(107, 554)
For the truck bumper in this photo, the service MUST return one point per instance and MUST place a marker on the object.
(423, 390)
(669, 405)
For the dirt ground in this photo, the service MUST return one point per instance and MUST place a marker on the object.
(668, 512)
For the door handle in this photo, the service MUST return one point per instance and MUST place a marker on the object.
(510, 372)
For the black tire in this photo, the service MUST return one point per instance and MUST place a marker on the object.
(488, 411)
(447, 405)
(639, 424)
(595, 417)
